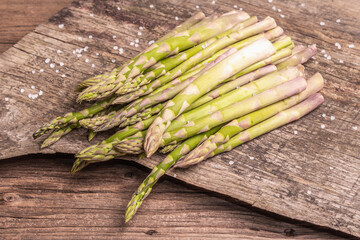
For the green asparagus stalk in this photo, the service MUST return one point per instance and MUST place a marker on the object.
(162, 96)
(296, 49)
(145, 114)
(145, 188)
(131, 145)
(298, 58)
(98, 119)
(57, 134)
(177, 43)
(236, 110)
(255, 87)
(105, 151)
(236, 62)
(203, 151)
(72, 118)
(280, 119)
(169, 148)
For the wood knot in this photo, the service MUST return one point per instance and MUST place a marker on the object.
(129, 175)
(9, 197)
(289, 232)
(151, 232)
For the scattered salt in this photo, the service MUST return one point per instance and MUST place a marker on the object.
(338, 45)
(331, 168)
(132, 44)
(97, 54)
(80, 38)
(332, 118)
(93, 65)
(90, 36)
(295, 132)
(59, 51)
(86, 60)
(323, 51)
(121, 51)
(338, 20)
(78, 55)
(52, 65)
(322, 126)
(41, 70)
(22, 90)
(303, 4)
(231, 162)
(274, 8)
(235, 6)
(113, 36)
(282, 15)
(213, 2)
(323, 115)
(139, 33)
(141, 28)
(270, 1)
(113, 60)
(47, 60)
(63, 75)
(151, 42)
(33, 71)
(279, 10)
(355, 128)
(251, 158)
(151, 6)
(6, 99)
(309, 192)
(57, 70)
(176, 18)
(32, 87)
(137, 40)
(119, 8)
(197, 6)
(40, 92)
(329, 57)
(61, 26)
(136, 45)
(322, 24)
(61, 64)
(116, 47)
(341, 61)
(351, 45)
(174, 175)
(91, 14)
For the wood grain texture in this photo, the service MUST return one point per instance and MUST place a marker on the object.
(312, 176)
(44, 201)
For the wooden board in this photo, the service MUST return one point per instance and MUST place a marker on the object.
(292, 175)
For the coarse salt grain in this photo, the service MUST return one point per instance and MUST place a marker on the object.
(282, 15)
(323, 115)
(322, 24)
(341, 61)
(132, 44)
(235, 6)
(119, 8)
(141, 28)
(33, 71)
(78, 55)
(40, 92)
(274, 8)
(176, 18)
(331, 168)
(295, 132)
(113, 60)
(309, 192)
(351, 45)
(332, 118)
(52, 65)
(137, 40)
(90, 36)
(93, 65)
(59, 51)
(6, 99)
(61, 64)
(136, 45)
(323, 51)
(80, 38)
(338, 45)
(121, 50)
(175, 175)
(97, 54)
(139, 33)
(41, 70)
(279, 10)
(197, 6)
(116, 47)
(355, 128)
(329, 57)
(47, 60)
(91, 14)
(32, 87)
(113, 36)
(251, 158)
(61, 26)
(151, 42)
(322, 126)
(57, 70)
(338, 20)
(213, 2)
(22, 90)
(86, 60)
(231, 162)
(151, 6)
(270, 1)
(303, 4)
(63, 75)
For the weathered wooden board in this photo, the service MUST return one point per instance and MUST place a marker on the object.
(312, 176)
(44, 201)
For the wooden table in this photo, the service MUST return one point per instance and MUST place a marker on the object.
(41, 200)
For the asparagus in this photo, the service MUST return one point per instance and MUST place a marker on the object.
(280, 119)
(131, 145)
(264, 83)
(72, 118)
(299, 57)
(145, 114)
(172, 45)
(105, 151)
(296, 49)
(162, 96)
(57, 134)
(98, 119)
(236, 62)
(235, 110)
(239, 32)
(203, 151)
(145, 188)
(91, 135)
(168, 148)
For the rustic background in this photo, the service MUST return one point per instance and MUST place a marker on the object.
(40, 198)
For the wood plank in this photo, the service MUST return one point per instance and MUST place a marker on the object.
(41, 200)
(312, 176)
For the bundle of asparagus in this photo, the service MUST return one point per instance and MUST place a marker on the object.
(207, 86)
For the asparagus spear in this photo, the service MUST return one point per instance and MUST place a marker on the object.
(296, 49)
(299, 58)
(105, 151)
(169, 148)
(145, 188)
(57, 134)
(91, 135)
(236, 62)
(236, 110)
(203, 151)
(280, 119)
(145, 114)
(264, 83)
(131, 145)
(177, 43)
(162, 96)
(72, 118)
